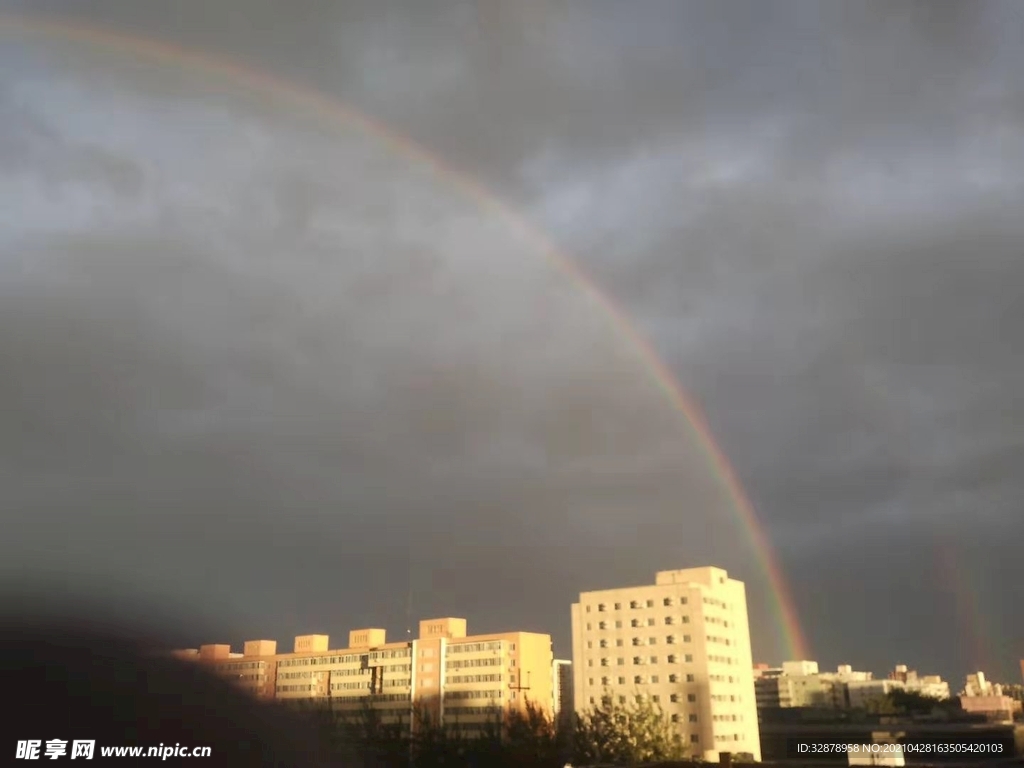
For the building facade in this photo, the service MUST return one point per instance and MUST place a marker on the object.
(982, 697)
(563, 706)
(445, 674)
(683, 643)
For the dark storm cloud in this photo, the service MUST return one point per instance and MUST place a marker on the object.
(810, 208)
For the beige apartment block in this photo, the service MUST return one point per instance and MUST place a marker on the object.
(682, 642)
(454, 678)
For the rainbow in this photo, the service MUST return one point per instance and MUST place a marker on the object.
(299, 97)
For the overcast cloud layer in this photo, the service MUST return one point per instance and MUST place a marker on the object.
(264, 366)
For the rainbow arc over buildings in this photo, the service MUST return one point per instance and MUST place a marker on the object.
(290, 95)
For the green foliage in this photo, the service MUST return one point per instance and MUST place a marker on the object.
(625, 735)
(900, 702)
(608, 734)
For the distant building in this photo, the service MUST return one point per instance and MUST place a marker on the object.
(683, 643)
(800, 684)
(561, 686)
(457, 678)
(981, 697)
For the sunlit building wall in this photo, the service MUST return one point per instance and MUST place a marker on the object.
(683, 643)
(451, 677)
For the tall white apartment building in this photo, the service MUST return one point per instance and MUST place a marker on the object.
(684, 643)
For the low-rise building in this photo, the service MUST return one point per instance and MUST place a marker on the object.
(799, 684)
(453, 677)
(982, 697)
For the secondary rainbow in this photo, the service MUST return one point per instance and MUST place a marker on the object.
(297, 96)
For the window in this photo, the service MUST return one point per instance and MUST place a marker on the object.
(674, 698)
(673, 678)
(602, 625)
(621, 661)
(635, 623)
(667, 601)
(639, 699)
(669, 621)
(638, 679)
(588, 626)
(600, 607)
(650, 603)
(590, 681)
(622, 699)
(683, 601)
(618, 625)
(604, 643)
(671, 639)
(618, 606)
(671, 658)
(590, 662)
(634, 604)
(622, 681)
(604, 681)
(686, 638)
(637, 660)
(618, 643)
(693, 718)
(691, 697)
(654, 678)
(675, 718)
(651, 622)
(652, 641)
(588, 609)
(688, 658)
(636, 641)
(604, 662)
(656, 698)
(654, 659)
(694, 738)
(689, 678)
(590, 643)
(686, 619)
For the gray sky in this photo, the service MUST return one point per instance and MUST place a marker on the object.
(263, 366)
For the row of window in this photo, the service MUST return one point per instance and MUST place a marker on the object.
(398, 682)
(456, 711)
(362, 671)
(691, 698)
(491, 694)
(294, 688)
(671, 659)
(644, 679)
(394, 653)
(458, 679)
(636, 623)
(493, 661)
(722, 698)
(490, 645)
(237, 665)
(637, 604)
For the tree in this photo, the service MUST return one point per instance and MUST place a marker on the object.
(626, 734)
